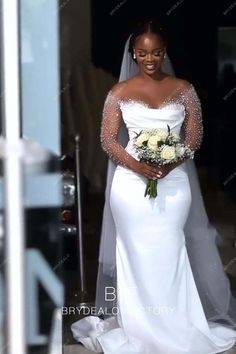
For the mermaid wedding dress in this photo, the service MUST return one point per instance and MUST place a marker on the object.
(159, 310)
(154, 297)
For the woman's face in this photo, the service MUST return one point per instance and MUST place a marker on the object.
(149, 50)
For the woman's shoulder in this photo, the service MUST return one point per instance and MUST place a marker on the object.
(183, 87)
(181, 83)
(121, 89)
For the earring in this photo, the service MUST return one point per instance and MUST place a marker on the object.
(165, 56)
(134, 56)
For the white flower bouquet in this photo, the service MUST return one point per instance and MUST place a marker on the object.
(161, 147)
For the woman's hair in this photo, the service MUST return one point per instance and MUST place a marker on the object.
(151, 26)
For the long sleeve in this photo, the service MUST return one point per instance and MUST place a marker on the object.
(192, 125)
(111, 122)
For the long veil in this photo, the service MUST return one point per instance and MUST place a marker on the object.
(201, 240)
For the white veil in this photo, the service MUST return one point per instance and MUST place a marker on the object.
(212, 282)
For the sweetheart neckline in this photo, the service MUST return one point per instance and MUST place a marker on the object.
(144, 104)
(166, 102)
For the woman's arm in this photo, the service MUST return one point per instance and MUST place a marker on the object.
(192, 125)
(111, 122)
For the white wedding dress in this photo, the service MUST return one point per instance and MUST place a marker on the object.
(159, 310)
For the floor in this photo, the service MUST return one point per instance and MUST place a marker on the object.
(222, 214)
(79, 349)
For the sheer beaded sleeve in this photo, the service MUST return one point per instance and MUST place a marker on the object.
(192, 125)
(111, 122)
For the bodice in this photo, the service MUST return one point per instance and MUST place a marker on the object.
(138, 116)
(181, 110)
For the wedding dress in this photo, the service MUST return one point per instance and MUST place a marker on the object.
(201, 236)
(161, 284)
(159, 310)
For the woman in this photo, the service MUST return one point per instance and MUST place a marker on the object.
(158, 305)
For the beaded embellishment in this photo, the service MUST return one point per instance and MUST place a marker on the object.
(112, 119)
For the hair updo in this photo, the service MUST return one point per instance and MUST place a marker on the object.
(151, 26)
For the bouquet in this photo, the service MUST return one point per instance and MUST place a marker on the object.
(162, 147)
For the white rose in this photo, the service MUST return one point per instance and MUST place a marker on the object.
(168, 152)
(161, 135)
(152, 142)
(180, 150)
(141, 138)
(175, 137)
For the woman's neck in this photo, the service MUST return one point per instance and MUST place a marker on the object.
(157, 76)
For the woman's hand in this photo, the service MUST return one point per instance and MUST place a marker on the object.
(150, 170)
(146, 170)
(163, 170)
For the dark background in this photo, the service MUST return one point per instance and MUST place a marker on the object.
(193, 27)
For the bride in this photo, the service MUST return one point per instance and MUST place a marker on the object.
(161, 288)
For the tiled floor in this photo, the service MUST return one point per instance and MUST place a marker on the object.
(221, 212)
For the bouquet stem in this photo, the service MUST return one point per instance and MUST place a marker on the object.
(151, 188)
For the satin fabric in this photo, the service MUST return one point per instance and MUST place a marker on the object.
(159, 310)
